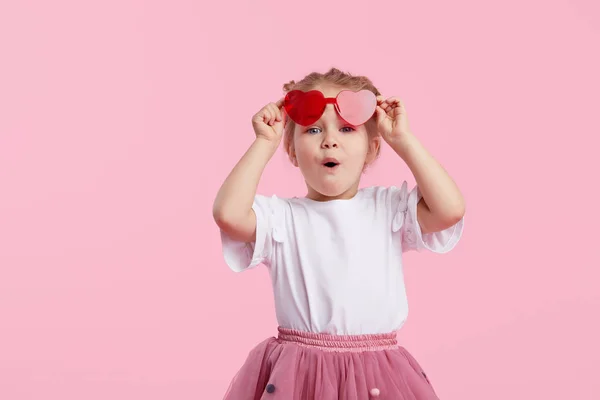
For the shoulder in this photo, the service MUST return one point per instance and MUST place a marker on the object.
(271, 205)
(270, 200)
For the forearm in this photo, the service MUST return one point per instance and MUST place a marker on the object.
(236, 195)
(441, 195)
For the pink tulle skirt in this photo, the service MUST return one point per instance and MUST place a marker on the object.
(305, 366)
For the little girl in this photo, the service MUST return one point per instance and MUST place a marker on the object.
(335, 256)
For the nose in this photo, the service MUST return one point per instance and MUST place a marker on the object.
(330, 134)
(329, 140)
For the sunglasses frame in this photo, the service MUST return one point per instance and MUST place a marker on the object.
(326, 100)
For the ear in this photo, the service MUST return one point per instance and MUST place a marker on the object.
(374, 144)
(293, 158)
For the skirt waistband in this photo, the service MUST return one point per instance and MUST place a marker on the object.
(330, 342)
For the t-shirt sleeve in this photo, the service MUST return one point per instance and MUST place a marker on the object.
(406, 223)
(240, 256)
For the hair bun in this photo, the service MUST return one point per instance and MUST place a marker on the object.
(289, 86)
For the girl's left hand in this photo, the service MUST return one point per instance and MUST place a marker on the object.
(392, 120)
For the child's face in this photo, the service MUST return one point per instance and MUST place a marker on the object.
(332, 139)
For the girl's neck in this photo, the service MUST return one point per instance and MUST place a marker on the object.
(347, 195)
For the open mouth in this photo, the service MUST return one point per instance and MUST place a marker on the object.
(330, 163)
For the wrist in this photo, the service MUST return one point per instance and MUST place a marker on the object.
(403, 144)
(266, 144)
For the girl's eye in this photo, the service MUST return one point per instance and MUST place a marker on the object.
(312, 129)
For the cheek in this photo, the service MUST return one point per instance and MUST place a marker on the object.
(304, 149)
(359, 147)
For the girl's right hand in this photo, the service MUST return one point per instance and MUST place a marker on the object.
(268, 123)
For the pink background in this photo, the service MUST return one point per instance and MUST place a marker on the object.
(120, 119)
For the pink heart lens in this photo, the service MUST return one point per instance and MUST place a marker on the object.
(356, 107)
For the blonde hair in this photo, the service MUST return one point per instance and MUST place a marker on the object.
(333, 77)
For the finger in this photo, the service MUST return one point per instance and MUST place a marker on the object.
(274, 112)
(392, 101)
(399, 105)
(277, 112)
(267, 114)
(381, 114)
(279, 102)
(397, 102)
(283, 117)
(381, 101)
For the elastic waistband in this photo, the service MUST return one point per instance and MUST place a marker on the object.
(329, 342)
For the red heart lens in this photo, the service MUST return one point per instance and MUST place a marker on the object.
(305, 108)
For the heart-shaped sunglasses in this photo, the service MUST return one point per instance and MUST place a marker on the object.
(305, 108)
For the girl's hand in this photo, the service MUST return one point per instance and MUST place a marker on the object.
(268, 123)
(392, 120)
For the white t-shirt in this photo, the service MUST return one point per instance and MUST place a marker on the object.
(336, 266)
